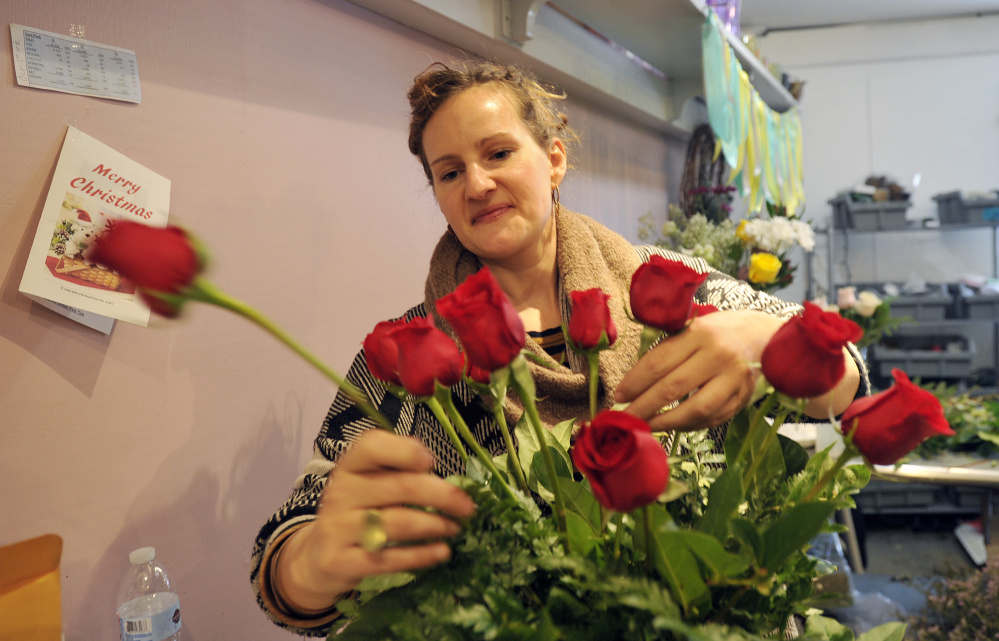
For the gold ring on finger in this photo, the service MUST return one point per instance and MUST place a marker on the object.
(373, 535)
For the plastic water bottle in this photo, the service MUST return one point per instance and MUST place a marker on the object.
(148, 608)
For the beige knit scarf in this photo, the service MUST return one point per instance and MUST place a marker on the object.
(589, 255)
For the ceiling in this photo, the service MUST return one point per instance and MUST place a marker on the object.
(759, 16)
(665, 32)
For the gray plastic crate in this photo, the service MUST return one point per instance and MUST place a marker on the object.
(953, 209)
(868, 216)
(882, 496)
(970, 497)
(928, 355)
(982, 306)
(923, 307)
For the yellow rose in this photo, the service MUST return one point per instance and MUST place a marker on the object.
(740, 232)
(763, 267)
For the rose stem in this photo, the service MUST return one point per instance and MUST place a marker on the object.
(512, 458)
(754, 425)
(594, 360)
(204, 291)
(444, 393)
(524, 384)
(647, 523)
(445, 422)
(649, 336)
(768, 439)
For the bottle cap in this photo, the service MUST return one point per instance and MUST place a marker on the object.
(142, 555)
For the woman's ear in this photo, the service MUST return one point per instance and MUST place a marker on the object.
(559, 161)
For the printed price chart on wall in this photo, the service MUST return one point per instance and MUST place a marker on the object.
(45, 60)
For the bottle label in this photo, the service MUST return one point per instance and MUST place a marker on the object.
(155, 627)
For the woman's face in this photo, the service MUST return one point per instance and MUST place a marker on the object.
(491, 179)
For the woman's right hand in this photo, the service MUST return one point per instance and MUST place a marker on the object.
(385, 472)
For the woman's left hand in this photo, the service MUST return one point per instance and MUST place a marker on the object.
(717, 358)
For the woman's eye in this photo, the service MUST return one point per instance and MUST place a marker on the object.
(502, 154)
(449, 176)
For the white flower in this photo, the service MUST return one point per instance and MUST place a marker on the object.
(806, 236)
(846, 297)
(777, 235)
(867, 303)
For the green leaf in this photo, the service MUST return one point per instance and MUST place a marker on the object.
(724, 498)
(795, 456)
(988, 436)
(563, 433)
(894, 631)
(579, 499)
(674, 562)
(738, 428)
(674, 490)
(792, 531)
(719, 563)
(821, 627)
(747, 532)
(532, 460)
(582, 536)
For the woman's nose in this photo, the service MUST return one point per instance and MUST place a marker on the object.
(478, 182)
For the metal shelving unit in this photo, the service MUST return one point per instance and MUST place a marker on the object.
(948, 324)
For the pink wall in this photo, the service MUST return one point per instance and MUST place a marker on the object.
(282, 126)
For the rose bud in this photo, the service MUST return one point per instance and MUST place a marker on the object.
(381, 352)
(662, 293)
(890, 424)
(426, 356)
(485, 320)
(804, 359)
(590, 326)
(626, 466)
(159, 260)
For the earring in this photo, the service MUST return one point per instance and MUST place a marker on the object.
(556, 205)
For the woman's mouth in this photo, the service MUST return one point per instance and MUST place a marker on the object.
(490, 214)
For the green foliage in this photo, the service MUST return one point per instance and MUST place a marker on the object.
(974, 419)
(698, 236)
(724, 558)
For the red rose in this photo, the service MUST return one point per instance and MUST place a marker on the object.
(662, 293)
(382, 352)
(426, 355)
(889, 425)
(479, 375)
(484, 319)
(804, 359)
(590, 326)
(156, 259)
(626, 466)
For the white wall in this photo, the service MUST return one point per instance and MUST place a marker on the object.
(282, 124)
(899, 99)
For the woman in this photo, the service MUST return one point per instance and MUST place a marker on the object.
(494, 150)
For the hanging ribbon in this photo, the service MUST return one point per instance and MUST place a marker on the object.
(762, 147)
(721, 106)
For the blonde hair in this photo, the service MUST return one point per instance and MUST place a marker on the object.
(438, 83)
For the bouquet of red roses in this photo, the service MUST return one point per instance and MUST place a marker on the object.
(641, 543)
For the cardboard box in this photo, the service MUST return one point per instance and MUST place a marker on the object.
(30, 596)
